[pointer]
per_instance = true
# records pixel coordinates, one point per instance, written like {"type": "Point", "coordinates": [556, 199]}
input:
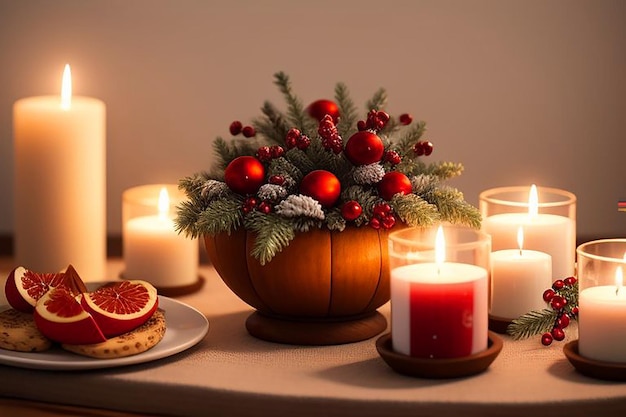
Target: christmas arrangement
{"type": "Point", "coordinates": [318, 166]}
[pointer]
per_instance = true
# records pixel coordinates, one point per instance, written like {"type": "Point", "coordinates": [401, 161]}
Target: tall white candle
{"type": "Point", "coordinates": [602, 321]}
{"type": "Point", "coordinates": [60, 183]}
{"type": "Point", "coordinates": [549, 233]}
{"type": "Point", "coordinates": [155, 252]}
{"type": "Point", "coordinates": [518, 279]}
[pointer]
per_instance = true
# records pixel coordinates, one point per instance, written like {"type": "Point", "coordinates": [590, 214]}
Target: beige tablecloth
{"type": "Point", "coordinates": [231, 373]}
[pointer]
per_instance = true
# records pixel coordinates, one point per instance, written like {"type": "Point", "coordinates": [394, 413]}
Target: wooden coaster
{"type": "Point", "coordinates": [439, 368]}
{"type": "Point", "coordinates": [612, 371]}
{"type": "Point", "coordinates": [315, 332]}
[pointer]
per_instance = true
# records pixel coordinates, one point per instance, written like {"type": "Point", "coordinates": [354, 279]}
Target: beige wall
{"type": "Point", "coordinates": [519, 91]}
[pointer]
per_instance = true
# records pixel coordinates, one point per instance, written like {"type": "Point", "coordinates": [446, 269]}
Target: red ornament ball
{"type": "Point", "coordinates": [244, 175]}
{"type": "Point", "coordinates": [394, 182]}
{"type": "Point", "coordinates": [320, 108]}
{"type": "Point", "coordinates": [351, 210]}
{"type": "Point", "coordinates": [321, 185]}
{"type": "Point", "coordinates": [364, 148]}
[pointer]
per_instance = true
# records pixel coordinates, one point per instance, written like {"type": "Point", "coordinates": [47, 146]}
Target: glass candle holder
{"type": "Point", "coordinates": [439, 291]}
{"type": "Point", "coordinates": [601, 265]}
{"type": "Point", "coordinates": [153, 250]}
{"type": "Point", "coordinates": [547, 216]}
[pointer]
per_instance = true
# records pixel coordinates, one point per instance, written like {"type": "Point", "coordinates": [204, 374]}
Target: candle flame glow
{"type": "Point", "coordinates": [164, 203]}
{"type": "Point", "coordinates": [66, 88]}
{"type": "Point", "coordinates": [440, 247]}
{"type": "Point", "coordinates": [520, 239]}
{"type": "Point", "coordinates": [533, 201]}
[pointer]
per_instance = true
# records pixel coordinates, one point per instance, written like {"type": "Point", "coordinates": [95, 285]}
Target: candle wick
{"type": "Point", "coordinates": [520, 251]}
{"type": "Point", "coordinates": [617, 290]}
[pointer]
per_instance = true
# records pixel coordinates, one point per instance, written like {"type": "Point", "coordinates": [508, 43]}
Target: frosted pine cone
{"type": "Point", "coordinates": [297, 205]}
{"type": "Point", "coordinates": [213, 189]}
{"type": "Point", "coordinates": [272, 192]}
{"type": "Point", "coordinates": [368, 174]}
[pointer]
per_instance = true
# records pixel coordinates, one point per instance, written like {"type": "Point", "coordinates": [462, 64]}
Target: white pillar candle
{"type": "Point", "coordinates": [602, 321]}
{"type": "Point", "coordinates": [60, 183]}
{"type": "Point", "coordinates": [439, 310]}
{"type": "Point", "coordinates": [549, 233]}
{"type": "Point", "coordinates": [155, 252]}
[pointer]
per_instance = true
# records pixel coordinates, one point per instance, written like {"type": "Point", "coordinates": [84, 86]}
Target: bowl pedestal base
{"type": "Point", "coordinates": [315, 332]}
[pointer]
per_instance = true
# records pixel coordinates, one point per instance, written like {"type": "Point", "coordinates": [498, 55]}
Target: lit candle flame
{"type": "Point", "coordinates": [66, 88]}
{"type": "Point", "coordinates": [440, 248]}
{"type": "Point", "coordinates": [164, 203]}
{"type": "Point", "coordinates": [520, 239]}
{"type": "Point", "coordinates": [619, 279]}
{"type": "Point", "coordinates": [533, 202]}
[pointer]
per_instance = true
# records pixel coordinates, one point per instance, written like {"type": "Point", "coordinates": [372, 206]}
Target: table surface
{"type": "Point", "coordinates": [232, 373]}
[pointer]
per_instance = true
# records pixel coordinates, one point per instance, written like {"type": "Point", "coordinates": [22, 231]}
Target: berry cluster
{"type": "Point", "coordinates": [376, 121]}
{"type": "Point", "coordinates": [253, 203]}
{"type": "Point", "coordinates": [423, 148]}
{"type": "Point", "coordinates": [267, 153]}
{"type": "Point", "coordinates": [392, 157]}
{"type": "Point", "coordinates": [295, 139]}
{"type": "Point", "coordinates": [382, 216]}
{"type": "Point", "coordinates": [329, 135]}
{"type": "Point", "coordinates": [237, 127]}
{"type": "Point", "coordinates": [557, 297]}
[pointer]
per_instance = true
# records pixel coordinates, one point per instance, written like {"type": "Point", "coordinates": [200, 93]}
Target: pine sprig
{"type": "Point", "coordinates": [273, 233]}
{"type": "Point", "coordinates": [227, 151]}
{"type": "Point", "coordinates": [415, 211]}
{"type": "Point", "coordinates": [223, 215]}
{"type": "Point", "coordinates": [378, 100]}
{"type": "Point", "coordinates": [453, 208]}
{"type": "Point", "coordinates": [347, 109]}
{"type": "Point", "coordinates": [405, 144]}
{"type": "Point", "coordinates": [532, 323]}
{"type": "Point", "coordinates": [295, 109]}
{"type": "Point", "coordinates": [273, 125]}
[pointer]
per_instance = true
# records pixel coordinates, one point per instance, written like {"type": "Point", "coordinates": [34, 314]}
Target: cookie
{"type": "Point", "coordinates": [18, 332]}
{"type": "Point", "coordinates": [134, 342]}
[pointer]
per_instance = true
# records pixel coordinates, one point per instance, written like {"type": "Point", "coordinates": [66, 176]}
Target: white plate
{"type": "Point", "coordinates": [185, 327]}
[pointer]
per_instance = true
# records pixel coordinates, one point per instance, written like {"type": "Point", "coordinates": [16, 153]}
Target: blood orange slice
{"type": "Point", "coordinates": [119, 307]}
{"type": "Point", "coordinates": [24, 287]}
{"type": "Point", "coordinates": [60, 317]}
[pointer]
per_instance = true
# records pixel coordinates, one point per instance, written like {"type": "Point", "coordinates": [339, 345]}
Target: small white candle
{"type": "Point", "coordinates": [60, 183]}
{"type": "Point", "coordinates": [549, 233]}
{"type": "Point", "coordinates": [518, 279]}
{"type": "Point", "coordinates": [155, 252]}
{"type": "Point", "coordinates": [439, 310]}
{"type": "Point", "coordinates": [602, 321]}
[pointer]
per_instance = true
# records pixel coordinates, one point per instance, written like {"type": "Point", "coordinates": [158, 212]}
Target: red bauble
{"type": "Point", "coordinates": [364, 148]}
{"type": "Point", "coordinates": [351, 210]}
{"type": "Point", "coordinates": [320, 108]}
{"type": "Point", "coordinates": [244, 175]}
{"type": "Point", "coordinates": [394, 182]}
{"type": "Point", "coordinates": [321, 185]}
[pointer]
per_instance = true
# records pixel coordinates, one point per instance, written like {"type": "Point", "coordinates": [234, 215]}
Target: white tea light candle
{"type": "Point", "coordinates": [153, 250]}
{"type": "Point", "coordinates": [60, 183]}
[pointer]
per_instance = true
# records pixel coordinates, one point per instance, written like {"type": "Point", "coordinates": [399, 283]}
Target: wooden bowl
{"type": "Point", "coordinates": [324, 288]}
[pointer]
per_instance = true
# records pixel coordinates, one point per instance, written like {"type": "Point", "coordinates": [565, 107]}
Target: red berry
{"type": "Point", "coordinates": [264, 153]}
{"type": "Point", "coordinates": [248, 131]}
{"type": "Point", "coordinates": [277, 180]}
{"type": "Point", "coordinates": [265, 207]}
{"type": "Point", "coordinates": [361, 126]}
{"type": "Point", "coordinates": [418, 148]}
{"type": "Point", "coordinates": [558, 302]}
{"type": "Point", "coordinates": [303, 142]}
{"type": "Point", "coordinates": [276, 151]}
{"type": "Point", "coordinates": [381, 210]}
{"type": "Point", "coordinates": [428, 148]}
{"type": "Point", "coordinates": [563, 321]}
{"type": "Point", "coordinates": [546, 339]}
{"type": "Point", "coordinates": [389, 221]}
{"type": "Point", "coordinates": [569, 281]}
{"type": "Point", "coordinates": [392, 157]}
{"type": "Point", "coordinates": [558, 284]}
{"type": "Point", "coordinates": [235, 128]}
{"type": "Point", "coordinates": [375, 223]}
{"type": "Point", "coordinates": [574, 311]}
{"type": "Point", "coordinates": [406, 119]}
{"type": "Point", "coordinates": [292, 138]}
{"type": "Point", "coordinates": [351, 210]}
{"type": "Point", "coordinates": [558, 334]}
{"type": "Point", "coordinates": [548, 295]}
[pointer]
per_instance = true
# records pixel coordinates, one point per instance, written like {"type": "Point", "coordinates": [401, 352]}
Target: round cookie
{"type": "Point", "coordinates": [132, 343]}
{"type": "Point", "coordinates": [18, 332]}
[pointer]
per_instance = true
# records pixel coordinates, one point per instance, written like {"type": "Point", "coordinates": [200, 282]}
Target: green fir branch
{"type": "Point", "coordinates": [347, 110]}
{"type": "Point", "coordinates": [532, 323]}
{"type": "Point", "coordinates": [453, 208]}
{"type": "Point", "coordinates": [296, 114]}
{"type": "Point", "coordinates": [414, 210]}
{"type": "Point", "coordinates": [378, 101]}
{"type": "Point", "coordinates": [223, 215]}
{"type": "Point", "coordinates": [273, 125]}
{"type": "Point", "coordinates": [273, 233]}
{"type": "Point", "coordinates": [444, 170]}
{"type": "Point", "coordinates": [406, 142]}
{"type": "Point", "coordinates": [227, 151]}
